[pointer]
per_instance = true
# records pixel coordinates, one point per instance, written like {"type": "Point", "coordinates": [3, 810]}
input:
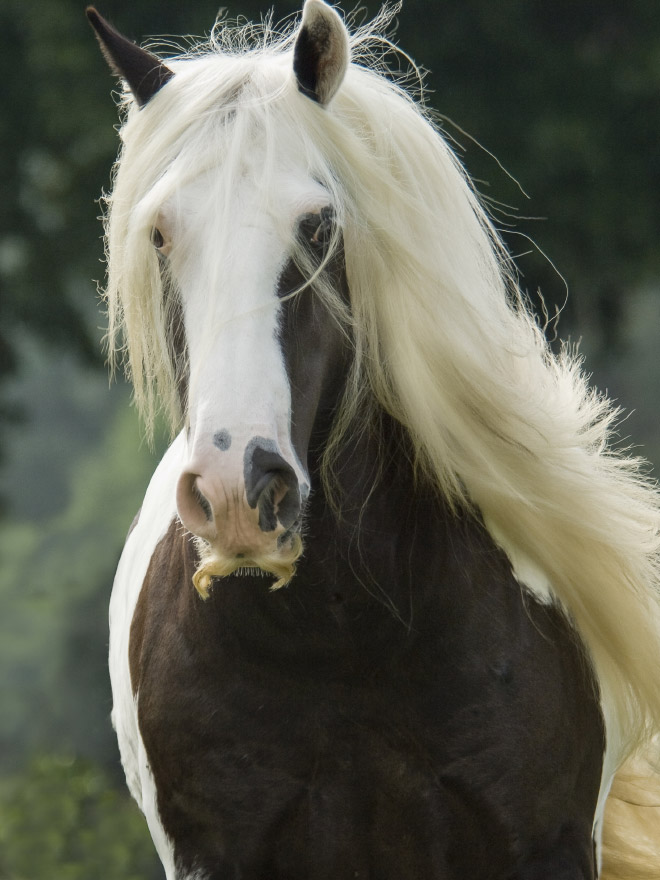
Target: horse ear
{"type": "Point", "coordinates": [321, 53]}
{"type": "Point", "coordinates": [144, 72]}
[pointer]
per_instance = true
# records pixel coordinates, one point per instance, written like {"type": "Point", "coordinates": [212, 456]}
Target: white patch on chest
{"type": "Point", "coordinates": [158, 511]}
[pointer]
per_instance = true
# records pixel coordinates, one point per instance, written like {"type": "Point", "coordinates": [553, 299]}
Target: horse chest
{"type": "Point", "coordinates": [318, 732]}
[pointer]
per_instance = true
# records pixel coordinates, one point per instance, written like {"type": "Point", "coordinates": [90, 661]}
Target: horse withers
{"type": "Point", "coordinates": [390, 607]}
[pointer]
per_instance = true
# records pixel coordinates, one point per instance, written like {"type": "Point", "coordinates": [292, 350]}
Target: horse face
{"type": "Point", "coordinates": [265, 357]}
{"type": "Point", "coordinates": [258, 365]}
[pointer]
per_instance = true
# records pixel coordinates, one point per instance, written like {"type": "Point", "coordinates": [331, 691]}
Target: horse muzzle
{"type": "Point", "coordinates": [246, 510]}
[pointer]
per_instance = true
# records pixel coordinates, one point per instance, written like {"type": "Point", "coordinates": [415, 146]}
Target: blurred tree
{"type": "Point", "coordinates": [55, 584]}
{"type": "Point", "coordinates": [567, 95]}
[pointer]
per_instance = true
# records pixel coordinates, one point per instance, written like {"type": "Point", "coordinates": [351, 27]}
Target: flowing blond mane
{"type": "Point", "coordinates": [443, 339]}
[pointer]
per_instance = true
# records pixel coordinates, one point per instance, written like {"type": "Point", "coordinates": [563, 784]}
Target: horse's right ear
{"type": "Point", "coordinates": [144, 72]}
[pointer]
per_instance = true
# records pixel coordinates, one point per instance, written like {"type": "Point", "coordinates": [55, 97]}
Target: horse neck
{"type": "Point", "coordinates": [364, 473]}
{"type": "Point", "coordinates": [371, 519]}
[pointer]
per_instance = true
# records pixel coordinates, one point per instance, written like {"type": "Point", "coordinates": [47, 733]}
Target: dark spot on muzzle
{"type": "Point", "coordinates": [271, 485]}
{"type": "Point", "coordinates": [222, 440]}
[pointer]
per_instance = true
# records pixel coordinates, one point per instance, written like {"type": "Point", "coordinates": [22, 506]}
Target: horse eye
{"type": "Point", "coordinates": [157, 239]}
{"type": "Point", "coordinates": [323, 232]}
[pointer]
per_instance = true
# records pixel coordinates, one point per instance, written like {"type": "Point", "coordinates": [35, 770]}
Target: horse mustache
{"type": "Point", "coordinates": [281, 564]}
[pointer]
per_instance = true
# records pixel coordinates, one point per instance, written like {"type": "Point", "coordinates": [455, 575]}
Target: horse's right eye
{"type": "Point", "coordinates": [157, 239]}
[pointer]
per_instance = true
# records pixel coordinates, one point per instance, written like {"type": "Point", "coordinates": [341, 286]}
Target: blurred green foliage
{"type": "Point", "coordinates": [54, 588]}
{"type": "Point", "coordinates": [66, 818]}
{"type": "Point", "coordinates": [61, 819]}
{"type": "Point", "coordinates": [564, 94]}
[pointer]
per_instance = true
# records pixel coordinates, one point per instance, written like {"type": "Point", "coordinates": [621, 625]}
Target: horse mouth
{"type": "Point", "coordinates": [280, 563]}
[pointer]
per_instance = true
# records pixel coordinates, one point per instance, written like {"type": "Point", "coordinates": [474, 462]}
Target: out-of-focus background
{"type": "Point", "coordinates": [566, 95]}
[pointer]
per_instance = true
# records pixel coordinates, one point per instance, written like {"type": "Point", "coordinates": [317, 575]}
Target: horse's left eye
{"type": "Point", "coordinates": [157, 239]}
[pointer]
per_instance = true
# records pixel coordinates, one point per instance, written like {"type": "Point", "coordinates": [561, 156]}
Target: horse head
{"type": "Point", "coordinates": [242, 254]}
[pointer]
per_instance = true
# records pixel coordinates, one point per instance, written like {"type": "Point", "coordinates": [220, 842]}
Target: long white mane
{"type": "Point", "coordinates": [443, 339]}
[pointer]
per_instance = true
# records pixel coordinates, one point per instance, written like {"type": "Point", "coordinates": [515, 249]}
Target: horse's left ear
{"type": "Point", "coordinates": [321, 53]}
{"type": "Point", "coordinates": [144, 72]}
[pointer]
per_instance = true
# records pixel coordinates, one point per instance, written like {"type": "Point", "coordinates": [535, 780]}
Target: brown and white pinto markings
{"type": "Point", "coordinates": [443, 682]}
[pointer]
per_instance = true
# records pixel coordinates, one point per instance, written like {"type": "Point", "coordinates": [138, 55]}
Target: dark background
{"type": "Point", "coordinates": [565, 95]}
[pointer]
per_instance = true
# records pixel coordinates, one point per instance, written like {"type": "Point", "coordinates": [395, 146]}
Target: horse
{"type": "Point", "coordinates": [390, 608]}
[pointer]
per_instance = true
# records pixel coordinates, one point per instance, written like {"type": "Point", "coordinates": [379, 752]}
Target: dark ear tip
{"type": "Point", "coordinates": [93, 16]}
{"type": "Point", "coordinates": [97, 21]}
{"type": "Point", "coordinates": [144, 72]}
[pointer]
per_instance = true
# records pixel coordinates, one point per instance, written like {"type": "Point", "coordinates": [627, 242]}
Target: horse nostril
{"type": "Point", "coordinates": [194, 509]}
{"type": "Point", "coordinates": [203, 503]}
{"type": "Point", "coordinates": [271, 485]}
